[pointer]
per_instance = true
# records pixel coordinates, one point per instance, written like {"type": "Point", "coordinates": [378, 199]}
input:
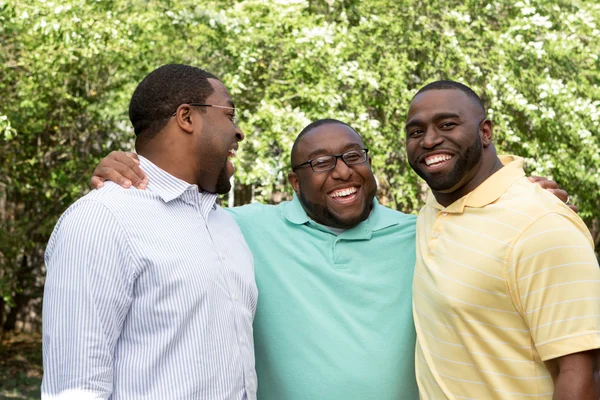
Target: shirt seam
{"type": "Point", "coordinates": [509, 254]}
{"type": "Point", "coordinates": [133, 271]}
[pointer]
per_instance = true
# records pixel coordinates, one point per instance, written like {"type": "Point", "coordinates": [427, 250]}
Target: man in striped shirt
{"type": "Point", "coordinates": [151, 294]}
{"type": "Point", "coordinates": [506, 293]}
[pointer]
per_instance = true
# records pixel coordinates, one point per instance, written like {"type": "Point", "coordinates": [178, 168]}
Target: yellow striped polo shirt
{"type": "Point", "coordinates": [506, 278]}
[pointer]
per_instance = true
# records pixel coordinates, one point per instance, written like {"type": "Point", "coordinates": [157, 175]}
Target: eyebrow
{"type": "Point", "coordinates": [436, 117]}
{"type": "Point", "coordinates": [347, 147]}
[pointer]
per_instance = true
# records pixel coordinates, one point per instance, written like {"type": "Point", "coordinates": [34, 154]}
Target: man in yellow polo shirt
{"type": "Point", "coordinates": [506, 293]}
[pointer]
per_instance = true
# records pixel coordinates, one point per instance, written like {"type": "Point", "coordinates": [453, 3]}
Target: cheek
{"type": "Point", "coordinates": [411, 146]}
{"type": "Point", "coordinates": [314, 187]}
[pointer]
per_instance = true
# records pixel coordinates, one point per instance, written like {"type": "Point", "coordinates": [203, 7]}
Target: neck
{"type": "Point", "coordinates": [170, 161]}
{"type": "Point", "coordinates": [488, 166]}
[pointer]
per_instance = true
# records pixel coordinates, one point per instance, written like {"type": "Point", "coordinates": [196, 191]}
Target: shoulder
{"type": "Point", "coordinates": [258, 218]}
{"type": "Point", "coordinates": [255, 210]}
{"type": "Point", "coordinates": [86, 220]}
{"type": "Point", "coordinates": [396, 215]}
{"type": "Point", "coordinates": [554, 229]}
{"type": "Point", "coordinates": [539, 209]}
{"type": "Point", "coordinates": [398, 221]}
{"type": "Point", "coordinates": [115, 197]}
{"type": "Point", "coordinates": [102, 208]}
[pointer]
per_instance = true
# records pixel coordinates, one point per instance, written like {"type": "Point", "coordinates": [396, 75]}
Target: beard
{"type": "Point", "coordinates": [463, 165]}
{"type": "Point", "coordinates": [223, 183]}
{"type": "Point", "coordinates": [321, 214]}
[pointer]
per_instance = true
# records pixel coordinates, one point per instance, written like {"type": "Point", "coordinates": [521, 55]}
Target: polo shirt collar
{"type": "Point", "coordinates": [489, 191]}
{"type": "Point", "coordinates": [294, 212]}
{"type": "Point", "coordinates": [169, 187]}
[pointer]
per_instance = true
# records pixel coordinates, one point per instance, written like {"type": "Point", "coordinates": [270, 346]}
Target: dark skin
{"type": "Point", "coordinates": [199, 143]}
{"type": "Point", "coordinates": [449, 144]}
{"type": "Point", "coordinates": [123, 168]}
{"type": "Point", "coordinates": [576, 376]}
{"type": "Point", "coordinates": [317, 190]}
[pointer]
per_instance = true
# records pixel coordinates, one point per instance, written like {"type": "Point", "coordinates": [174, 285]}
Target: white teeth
{"type": "Point", "coordinates": [343, 192]}
{"type": "Point", "coordinates": [437, 159]}
{"type": "Point", "coordinates": [233, 152]}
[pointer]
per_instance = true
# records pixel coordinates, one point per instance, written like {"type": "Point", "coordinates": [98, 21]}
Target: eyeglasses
{"type": "Point", "coordinates": [212, 105]}
{"type": "Point", "coordinates": [328, 162]}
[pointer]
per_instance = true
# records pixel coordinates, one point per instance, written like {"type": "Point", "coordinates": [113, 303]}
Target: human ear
{"type": "Point", "coordinates": [293, 179]}
{"type": "Point", "coordinates": [184, 119]}
{"type": "Point", "coordinates": [486, 132]}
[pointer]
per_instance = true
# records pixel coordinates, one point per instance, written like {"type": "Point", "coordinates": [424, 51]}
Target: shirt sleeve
{"type": "Point", "coordinates": [554, 281]}
{"type": "Point", "coordinates": [87, 296]}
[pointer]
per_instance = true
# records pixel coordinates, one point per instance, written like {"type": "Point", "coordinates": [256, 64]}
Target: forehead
{"type": "Point", "coordinates": [220, 95]}
{"type": "Point", "coordinates": [447, 101]}
{"type": "Point", "coordinates": [328, 139]}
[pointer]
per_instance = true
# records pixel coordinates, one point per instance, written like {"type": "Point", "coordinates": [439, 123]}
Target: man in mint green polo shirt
{"type": "Point", "coordinates": [334, 272]}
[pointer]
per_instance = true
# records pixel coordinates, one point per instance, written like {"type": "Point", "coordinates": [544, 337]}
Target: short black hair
{"type": "Point", "coordinates": [159, 94]}
{"type": "Point", "coordinates": [452, 85]}
{"type": "Point", "coordinates": [314, 125]}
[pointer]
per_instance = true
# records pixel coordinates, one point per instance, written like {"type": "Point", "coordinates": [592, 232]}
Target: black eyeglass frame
{"type": "Point", "coordinates": [337, 156]}
{"type": "Point", "coordinates": [209, 105]}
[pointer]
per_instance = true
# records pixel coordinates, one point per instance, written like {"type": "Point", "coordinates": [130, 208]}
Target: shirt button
{"type": "Point", "coordinates": [242, 341]}
{"type": "Point", "coordinates": [222, 257]}
{"type": "Point", "coordinates": [444, 213]}
{"type": "Point", "coordinates": [234, 297]}
{"type": "Point", "coordinates": [436, 234]}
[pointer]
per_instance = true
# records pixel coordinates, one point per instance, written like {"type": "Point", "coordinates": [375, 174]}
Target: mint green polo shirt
{"type": "Point", "coordinates": [334, 315]}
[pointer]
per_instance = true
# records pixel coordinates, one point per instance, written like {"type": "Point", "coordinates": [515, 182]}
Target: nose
{"type": "Point", "coordinates": [341, 170]}
{"type": "Point", "coordinates": [431, 138]}
{"type": "Point", "coordinates": [239, 134]}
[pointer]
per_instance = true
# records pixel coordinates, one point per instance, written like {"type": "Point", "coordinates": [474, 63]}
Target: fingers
{"type": "Point", "coordinates": [121, 168]}
{"type": "Point", "coordinates": [133, 156]}
{"type": "Point", "coordinates": [553, 188]}
{"type": "Point", "coordinates": [545, 183]}
{"type": "Point", "coordinates": [561, 194]}
{"type": "Point", "coordinates": [96, 182]}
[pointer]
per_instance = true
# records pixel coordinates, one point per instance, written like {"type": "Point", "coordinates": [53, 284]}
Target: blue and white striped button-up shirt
{"type": "Point", "coordinates": [149, 295]}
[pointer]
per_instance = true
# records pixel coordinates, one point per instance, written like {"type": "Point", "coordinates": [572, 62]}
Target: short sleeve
{"type": "Point", "coordinates": [554, 281]}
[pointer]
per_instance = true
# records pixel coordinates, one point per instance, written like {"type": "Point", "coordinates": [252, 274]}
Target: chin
{"type": "Point", "coordinates": [223, 187]}
{"type": "Point", "coordinates": [350, 221]}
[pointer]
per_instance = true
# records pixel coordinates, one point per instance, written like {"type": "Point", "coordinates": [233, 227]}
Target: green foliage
{"type": "Point", "coordinates": [67, 70]}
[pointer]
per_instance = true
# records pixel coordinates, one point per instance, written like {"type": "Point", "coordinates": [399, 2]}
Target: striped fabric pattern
{"type": "Point", "coordinates": [506, 278]}
{"type": "Point", "coordinates": [149, 295]}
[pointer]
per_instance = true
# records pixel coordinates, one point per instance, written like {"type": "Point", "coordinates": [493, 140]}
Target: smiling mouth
{"type": "Point", "coordinates": [437, 159]}
{"type": "Point", "coordinates": [232, 153]}
{"type": "Point", "coordinates": [345, 195]}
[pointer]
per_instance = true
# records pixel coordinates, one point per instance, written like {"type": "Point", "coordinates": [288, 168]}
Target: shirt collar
{"type": "Point", "coordinates": [489, 191]}
{"type": "Point", "coordinates": [169, 187]}
{"type": "Point", "coordinates": [294, 212]}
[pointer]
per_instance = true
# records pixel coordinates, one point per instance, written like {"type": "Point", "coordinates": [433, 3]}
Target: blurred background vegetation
{"type": "Point", "coordinates": [69, 67]}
